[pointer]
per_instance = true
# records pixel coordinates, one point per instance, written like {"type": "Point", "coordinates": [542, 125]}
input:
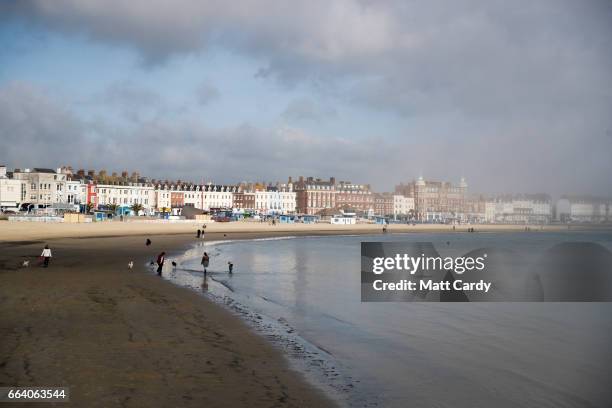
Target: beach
{"type": "Point", "coordinates": [23, 231]}
{"type": "Point", "coordinates": [121, 337]}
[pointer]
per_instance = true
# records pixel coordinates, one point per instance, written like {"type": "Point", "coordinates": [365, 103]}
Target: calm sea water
{"type": "Point", "coordinates": [304, 294]}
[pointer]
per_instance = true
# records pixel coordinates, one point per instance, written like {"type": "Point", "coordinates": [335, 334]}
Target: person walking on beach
{"type": "Point", "coordinates": [199, 233]}
{"type": "Point", "coordinates": [160, 262]}
{"type": "Point", "coordinates": [230, 267]}
{"type": "Point", "coordinates": [46, 255]}
{"type": "Point", "coordinates": [205, 262]}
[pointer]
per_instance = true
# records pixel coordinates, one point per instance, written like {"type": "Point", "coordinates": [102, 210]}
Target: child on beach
{"type": "Point", "coordinates": [46, 255]}
{"type": "Point", "coordinates": [160, 262]}
{"type": "Point", "coordinates": [230, 267]}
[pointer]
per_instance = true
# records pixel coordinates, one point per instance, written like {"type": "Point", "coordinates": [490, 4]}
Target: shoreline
{"type": "Point", "coordinates": [30, 231]}
{"type": "Point", "coordinates": [53, 316]}
{"type": "Point", "coordinates": [125, 337]}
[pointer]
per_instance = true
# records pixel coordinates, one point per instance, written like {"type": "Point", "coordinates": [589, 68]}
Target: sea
{"type": "Point", "coordinates": [303, 294]}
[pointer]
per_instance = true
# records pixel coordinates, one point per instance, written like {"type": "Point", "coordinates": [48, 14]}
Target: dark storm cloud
{"type": "Point", "coordinates": [522, 88]}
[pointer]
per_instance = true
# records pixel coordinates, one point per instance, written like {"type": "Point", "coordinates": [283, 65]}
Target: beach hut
{"type": "Point", "coordinates": [381, 220]}
{"type": "Point", "coordinates": [309, 219]}
{"type": "Point", "coordinates": [102, 215]}
{"type": "Point", "coordinates": [343, 220]}
{"type": "Point", "coordinates": [286, 219]}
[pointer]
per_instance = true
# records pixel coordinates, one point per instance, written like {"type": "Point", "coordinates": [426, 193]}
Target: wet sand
{"type": "Point", "coordinates": [120, 337]}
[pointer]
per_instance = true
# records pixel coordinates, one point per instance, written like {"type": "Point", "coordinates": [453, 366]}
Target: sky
{"type": "Point", "coordinates": [515, 96]}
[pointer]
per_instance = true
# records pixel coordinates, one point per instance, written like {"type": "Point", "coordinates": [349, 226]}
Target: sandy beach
{"type": "Point", "coordinates": [25, 231]}
{"type": "Point", "coordinates": [120, 337]}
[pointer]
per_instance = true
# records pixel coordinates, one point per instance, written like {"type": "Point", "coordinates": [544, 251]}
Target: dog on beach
{"type": "Point", "coordinates": [130, 264]}
{"type": "Point", "coordinates": [174, 264]}
{"type": "Point", "coordinates": [25, 264]}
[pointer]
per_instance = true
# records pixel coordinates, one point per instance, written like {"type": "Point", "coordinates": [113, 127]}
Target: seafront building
{"type": "Point", "coordinates": [436, 201]}
{"type": "Point", "coordinates": [354, 197]}
{"type": "Point", "coordinates": [42, 187]}
{"type": "Point", "coordinates": [75, 193]}
{"type": "Point", "coordinates": [403, 207]}
{"type": "Point", "coordinates": [126, 196]}
{"type": "Point", "coordinates": [12, 192]}
{"type": "Point", "coordinates": [519, 209]}
{"type": "Point", "coordinates": [48, 190]}
{"type": "Point", "coordinates": [313, 196]}
{"type": "Point", "coordinates": [218, 196]}
{"type": "Point", "coordinates": [243, 201]}
{"type": "Point", "coordinates": [277, 199]}
{"type": "Point", "coordinates": [577, 208]}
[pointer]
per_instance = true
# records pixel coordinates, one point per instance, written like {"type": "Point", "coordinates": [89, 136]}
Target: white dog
{"type": "Point", "coordinates": [25, 264]}
{"type": "Point", "coordinates": [130, 264]}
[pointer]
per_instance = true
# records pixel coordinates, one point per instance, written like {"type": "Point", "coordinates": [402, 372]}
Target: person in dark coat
{"type": "Point", "coordinates": [199, 233]}
{"type": "Point", "coordinates": [205, 262]}
{"type": "Point", "coordinates": [160, 262]}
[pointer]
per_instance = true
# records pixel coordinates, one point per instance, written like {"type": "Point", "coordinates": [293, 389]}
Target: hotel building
{"type": "Point", "coordinates": [436, 201]}
{"type": "Point", "coordinates": [519, 209]}
{"type": "Point", "coordinates": [126, 195]}
{"type": "Point", "coordinates": [314, 195]}
{"type": "Point", "coordinates": [356, 197]}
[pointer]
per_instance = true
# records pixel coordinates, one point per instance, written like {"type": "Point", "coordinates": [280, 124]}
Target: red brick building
{"type": "Point", "coordinates": [314, 195]}
{"type": "Point", "coordinates": [244, 200]}
{"type": "Point", "coordinates": [383, 204]}
{"type": "Point", "coordinates": [356, 197]}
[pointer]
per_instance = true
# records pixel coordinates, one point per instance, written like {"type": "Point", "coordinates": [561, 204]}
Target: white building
{"type": "Point", "coordinates": [126, 195]}
{"type": "Point", "coordinates": [519, 209]}
{"type": "Point", "coordinates": [584, 209]}
{"type": "Point", "coordinates": [217, 196]}
{"type": "Point", "coordinates": [402, 206]}
{"type": "Point", "coordinates": [43, 187]}
{"type": "Point", "coordinates": [343, 219]}
{"type": "Point", "coordinates": [12, 192]}
{"type": "Point", "coordinates": [273, 200]}
{"type": "Point", "coordinates": [75, 192]}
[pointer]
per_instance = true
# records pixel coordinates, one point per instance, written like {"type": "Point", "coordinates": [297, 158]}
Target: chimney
{"type": "Point", "coordinates": [290, 180]}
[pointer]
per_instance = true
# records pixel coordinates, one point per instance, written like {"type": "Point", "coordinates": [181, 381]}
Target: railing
{"type": "Point", "coordinates": [35, 218]}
